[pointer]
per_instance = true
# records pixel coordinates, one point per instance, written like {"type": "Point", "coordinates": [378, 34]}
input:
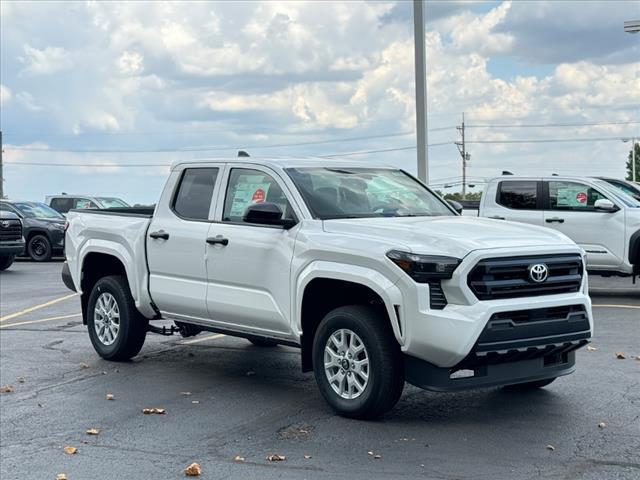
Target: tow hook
{"type": "Point", "coordinates": [164, 330]}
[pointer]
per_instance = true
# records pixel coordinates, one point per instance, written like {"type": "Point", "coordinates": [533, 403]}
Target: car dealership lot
{"type": "Point", "coordinates": [252, 402]}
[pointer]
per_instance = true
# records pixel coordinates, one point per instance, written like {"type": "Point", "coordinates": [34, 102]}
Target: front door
{"type": "Point", "coordinates": [176, 243]}
{"type": "Point", "coordinates": [249, 271]}
{"type": "Point", "coordinates": [569, 208]}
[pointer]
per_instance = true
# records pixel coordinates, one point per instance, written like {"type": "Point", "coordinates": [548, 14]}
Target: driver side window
{"type": "Point", "coordinates": [247, 187]}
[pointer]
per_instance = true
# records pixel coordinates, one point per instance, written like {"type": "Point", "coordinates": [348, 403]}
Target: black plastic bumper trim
{"type": "Point", "coordinates": [66, 277]}
{"type": "Point", "coordinates": [425, 375]}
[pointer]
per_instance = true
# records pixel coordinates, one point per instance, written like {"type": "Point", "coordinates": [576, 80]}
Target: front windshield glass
{"type": "Point", "coordinates": [618, 194]}
{"type": "Point", "coordinates": [111, 202]}
{"type": "Point", "coordinates": [364, 192]}
{"type": "Point", "coordinates": [36, 210]}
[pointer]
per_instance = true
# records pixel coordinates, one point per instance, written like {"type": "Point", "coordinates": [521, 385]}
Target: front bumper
{"type": "Point", "coordinates": [446, 337]}
{"type": "Point", "coordinates": [11, 248]}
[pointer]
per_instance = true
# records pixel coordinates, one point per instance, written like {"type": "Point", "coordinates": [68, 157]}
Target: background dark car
{"type": "Point", "coordinates": [11, 239]}
{"type": "Point", "coordinates": [43, 228]}
{"type": "Point", "coordinates": [630, 188]}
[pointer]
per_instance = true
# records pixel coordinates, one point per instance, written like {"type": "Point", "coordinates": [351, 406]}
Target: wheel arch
{"type": "Point", "coordinates": [634, 249]}
{"type": "Point", "coordinates": [325, 286]}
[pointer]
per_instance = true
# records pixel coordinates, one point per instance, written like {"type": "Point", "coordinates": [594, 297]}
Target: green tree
{"type": "Point", "coordinates": [629, 159]}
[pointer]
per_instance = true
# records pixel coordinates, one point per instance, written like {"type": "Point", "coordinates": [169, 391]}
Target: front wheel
{"type": "Point", "coordinates": [521, 387]}
{"type": "Point", "coordinates": [39, 248]}
{"type": "Point", "coordinates": [357, 362]}
{"type": "Point", "coordinates": [116, 329]}
{"type": "Point", "coordinates": [5, 262]}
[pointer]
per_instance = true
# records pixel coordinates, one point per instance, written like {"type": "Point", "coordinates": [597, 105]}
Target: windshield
{"type": "Point", "coordinates": [618, 194]}
{"type": "Point", "coordinates": [36, 210]}
{"type": "Point", "coordinates": [111, 202]}
{"type": "Point", "coordinates": [364, 192]}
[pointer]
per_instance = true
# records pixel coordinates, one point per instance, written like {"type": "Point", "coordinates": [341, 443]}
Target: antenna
{"type": "Point", "coordinates": [242, 153]}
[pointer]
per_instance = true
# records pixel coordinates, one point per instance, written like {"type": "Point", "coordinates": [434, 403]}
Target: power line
{"type": "Point", "coordinates": [545, 125]}
{"type": "Point", "coordinates": [549, 140]}
{"type": "Point", "coordinates": [363, 152]}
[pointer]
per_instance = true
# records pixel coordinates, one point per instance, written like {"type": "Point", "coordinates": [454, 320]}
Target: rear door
{"type": "Point", "coordinates": [176, 242]}
{"type": "Point", "coordinates": [249, 276]}
{"type": "Point", "coordinates": [62, 204]}
{"type": "Point", "coordinates": [515, 200]}
{"type": "Point", "coordinates": [569, 208]}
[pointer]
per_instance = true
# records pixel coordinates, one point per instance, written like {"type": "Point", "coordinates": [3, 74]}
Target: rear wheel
{"type": "Point", "coordinates": [521, 387]}
{"type": "Point", "coordinates": [5, 262]}
{"type": "Point", "coordinates": [39, 248]}
{"type": "Point", "coordinates": [116, 328]}
{"type": "Point", "coordinates": [357, 362]}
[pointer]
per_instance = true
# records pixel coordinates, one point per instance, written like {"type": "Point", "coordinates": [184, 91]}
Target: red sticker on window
{"type": "Point", "coordinates": [258, 196]}
{"type": "Point", "coordinates": [581, 197]}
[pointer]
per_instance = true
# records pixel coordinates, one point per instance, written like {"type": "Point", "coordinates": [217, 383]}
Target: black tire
{"type": "Point", "coordinates": [39, 248]}
{"type": "Point", "coordinates": [386, 369]}
{"type": "Point", "coordinates": [5, 262]}
{"type": "Point", "coordinates": [262, 342]}
{"type": "Point", "coordinates": [523, 387]}
{"type": "Point", "coordinates": [132, 325]}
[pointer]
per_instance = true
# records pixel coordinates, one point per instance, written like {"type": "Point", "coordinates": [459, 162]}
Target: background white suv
{"type": "Point", "coordinates": [603, 220]}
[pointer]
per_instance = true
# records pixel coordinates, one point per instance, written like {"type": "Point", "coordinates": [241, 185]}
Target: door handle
{"type": "Point", "coordinates": [218, 240]}
{"type": "Point", "coordinates": [160, 234]}
{"type": "Point", "coordinates": [495, 217]}
{"type": "Point", "coordinates": [554, 219]}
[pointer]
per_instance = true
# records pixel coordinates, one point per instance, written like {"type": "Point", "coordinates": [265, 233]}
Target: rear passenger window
{"type": "Point", "coordinates": [518, 195]}
{"type": "Point", "coordinates": [193, 198]}
{"type": "Point", "coordinates": [62, 205]}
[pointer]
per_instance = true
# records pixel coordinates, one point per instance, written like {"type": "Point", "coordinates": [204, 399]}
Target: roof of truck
{"type": "Point", "coordinates": [286, 162]}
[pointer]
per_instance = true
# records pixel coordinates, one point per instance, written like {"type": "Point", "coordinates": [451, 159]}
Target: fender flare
{"type": "Point", "coordinates": [634, 249]}
{"type": "Point", "coordinates": [384, 287]}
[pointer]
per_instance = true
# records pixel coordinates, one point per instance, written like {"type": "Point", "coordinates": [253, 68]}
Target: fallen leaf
{"type": "Point", "coordinates": [104, 372]}
{"type": "Point", "coordinates": [377, 457]}
{"type": "Point", "coordinates": [591, 349]}
{"type": "Point", "coordinates": [110, 396]}
{"type": "Point", "coordinates": [21, 380]}
{"type": "Point", "coordinates": [370, 453]}
{"type": "Point", "coordinates": [550, 447]}
{"type": "Point", "coordinates": [620, 356]}
{"type": "Point", "coordinates": [250, 373]}
{"type": "Point", "coordinates": [7, 389]}
{"type": "Point", "coordinates": [93, 431]}
{"type": "Point", "coordinates": [195, 402]}
{"type": "Point", "coordinates": [151, 411]}
{"type": "Point", "coordinates": [276, 458]}
{"type": "Point", "coordinates": [602, 425]}
{"type": "Point", "coordinates": [83, 365]}
{"type": "Point", "coordinates": [193, 470]}
{"type": "Point", "coordinates": [637, 357]}
{"type": "Point", "coordinates": [61, 476]}
{"type": "Point", "coordinates": [307, 457]}
{"type": "Point", "coordinates": [186, 394]}
{"type": "Point", "coordinates": [238, 458]}
{"type": "Point", "coordinates": [70, 450]}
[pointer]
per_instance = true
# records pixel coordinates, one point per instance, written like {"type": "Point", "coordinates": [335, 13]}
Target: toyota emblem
{"type": "Point", "coordinates": [4, 224]}
{"type": "Point", "coordinates": [538, 272]}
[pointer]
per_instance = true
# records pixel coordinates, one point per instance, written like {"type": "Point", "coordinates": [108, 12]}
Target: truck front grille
{"type": "Point", "coordinates": [508, 277]}
{"type": "Point", "coordinates": [10, 230]}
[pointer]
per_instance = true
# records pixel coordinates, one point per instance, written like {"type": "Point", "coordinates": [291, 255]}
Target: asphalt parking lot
{"type": "Point", "coordinates": [226, 398]}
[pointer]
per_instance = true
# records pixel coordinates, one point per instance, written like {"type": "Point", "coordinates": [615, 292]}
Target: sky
{"type": "Point", "coordinates": [101, 97]}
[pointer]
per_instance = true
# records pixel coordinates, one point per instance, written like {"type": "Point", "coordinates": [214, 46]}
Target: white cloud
{"type": "Point", "coordinates": [130, 63]}
{"type": "Point", "coordinates": [27, 100]}
{"type": "Point", "coordinates": [46, 61]}
{"type": "Point", "coordinates": [5, 94]}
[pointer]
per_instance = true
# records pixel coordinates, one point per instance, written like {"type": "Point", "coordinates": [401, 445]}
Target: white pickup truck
{"type": "Point", "coordinates": [374, 277]}
{"type": "Point", "coordinates": [598, 216]}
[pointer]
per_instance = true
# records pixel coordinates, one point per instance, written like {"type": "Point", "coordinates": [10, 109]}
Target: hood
{"type": "Point", "coordinates": [453, 236]}
{"type": "Point", "coordinates": [45, 221]}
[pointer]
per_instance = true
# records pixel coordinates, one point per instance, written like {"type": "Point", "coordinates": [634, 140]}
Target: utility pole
{"type": "Point", "coordinates": [421, 90]}
{"type": "Point", "coordinates": [1, 175]}
{"type": "Point", "coordinates": [462, 148]}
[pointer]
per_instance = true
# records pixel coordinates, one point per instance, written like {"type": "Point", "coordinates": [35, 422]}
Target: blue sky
{"type": "Point", "coordinates": [104, 86]}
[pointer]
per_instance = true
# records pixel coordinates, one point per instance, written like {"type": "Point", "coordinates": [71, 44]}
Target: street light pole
{"type": "Point", "coordinates": [421, 90]}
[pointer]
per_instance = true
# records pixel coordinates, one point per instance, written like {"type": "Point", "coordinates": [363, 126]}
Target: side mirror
{"type": "Point", "coordinates": [266, 213]}
{"type": "Point", "coordinates": [605, 205]}
{"type": "Point", "coordinates": [456, 206]}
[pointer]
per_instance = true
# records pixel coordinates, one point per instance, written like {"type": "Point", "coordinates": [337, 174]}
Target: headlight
{"type": "Point", "coordinates": [424, 268]}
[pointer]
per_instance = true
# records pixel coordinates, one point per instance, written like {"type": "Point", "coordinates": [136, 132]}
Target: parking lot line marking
{"type": "Point", "coordinates": [50, 319]}
{"type": "Point", "coordinates": [203, 339]}
{"type": "Point", "coordinates": [37, 307]}
{"type": "Point", "coordinates": [604, 305]}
